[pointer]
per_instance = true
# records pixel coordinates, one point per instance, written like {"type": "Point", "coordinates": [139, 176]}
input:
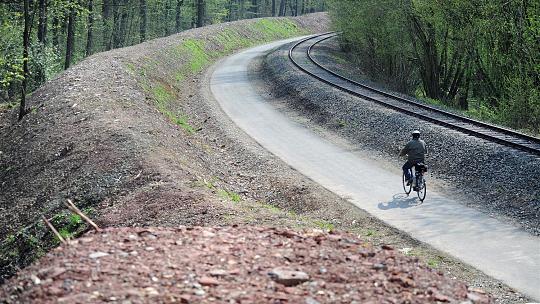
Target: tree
{"type": "Point", "coordinates": [143, 20]}
{"type": "Point", "coordinates": [42, 25]}
{"type": "Point", "coordinates": [70, 40]}
{"type": "Point", "coordinates": [107, 24]}
{"type": "Point", "coordinates": [90, 34]}
{"type": "Point", "coordinates": [26, 43]}
{"type": "Point", "coordinates": [178, 18]}
{"type": "Point", "coordinates": [200, 13]}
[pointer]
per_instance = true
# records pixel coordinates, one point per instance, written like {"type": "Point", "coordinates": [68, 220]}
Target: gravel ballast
{"type": "Point", "coordinates": [231, 265]}
{"type": "Point", "coordinates": [497, 180]}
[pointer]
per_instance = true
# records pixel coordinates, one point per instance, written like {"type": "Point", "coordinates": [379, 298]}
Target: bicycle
{"type": "Point", "coordinates": [419, 182]}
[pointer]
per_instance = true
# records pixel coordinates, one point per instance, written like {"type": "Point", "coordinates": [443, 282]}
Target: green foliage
{"type": "Point", "coordinates": [120, 27]}
{"type": "Point", "coordinates": [454, 51]}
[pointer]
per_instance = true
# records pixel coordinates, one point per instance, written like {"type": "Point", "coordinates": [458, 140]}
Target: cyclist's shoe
{"type": "Point", "coordinates": [409, 182]}
{"type": "Point", "coordinates": [416, 188]}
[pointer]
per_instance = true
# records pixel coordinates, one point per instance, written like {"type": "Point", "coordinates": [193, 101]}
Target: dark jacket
{"type": "Point", "coordinates": [415, 150]}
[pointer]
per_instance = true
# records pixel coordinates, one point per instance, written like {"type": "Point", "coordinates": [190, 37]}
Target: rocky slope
{"type": "Point", "coordinates": [231, 265]}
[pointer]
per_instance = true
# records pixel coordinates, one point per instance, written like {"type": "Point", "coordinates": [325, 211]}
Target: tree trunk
{"type": "Point", "coordinates": [116, 24]}
{"type": "Point", "coordinates": [241, 10]}
{"type": "Point", "coordinates": [41, 34]}
{"type": "Point", "coordinates": [55, 38]}
{"type": "Point", "coordinates": [122, 32]}
{"type": "Point", "coordinates": [282, 6]}
{"type": "Point", "coordinates": [254, 9]}
{"type": "Point", "coordinates": [26, 42]}
{"type": "Point", "coordinates": [200, 13]}
{"type": "Point", "coordinates": [273, 8]}
{"type": "Point", "coordinates": [229, 11]}
{"type": "Point", "coordinates": [143, 20]}
{"type": "Point", "coordinates": [70, 41]}
{"type": "Point", "coordinates": [178, 22]}
{"type": "Point", "coordinates": [106, 13]}
{"type": "Point", "coordinates": [90, 36]}
{"type": "Point", "coordinates": [42, 23]}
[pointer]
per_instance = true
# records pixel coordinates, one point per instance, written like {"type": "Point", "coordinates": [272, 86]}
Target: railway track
{"type": "Point", "coordinates": [300, 56]}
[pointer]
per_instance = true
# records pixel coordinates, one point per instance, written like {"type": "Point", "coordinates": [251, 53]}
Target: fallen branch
{"type": "Point", "coordinates": [69, 204]}
{"type": "Point", "coordinates": [54, 230]}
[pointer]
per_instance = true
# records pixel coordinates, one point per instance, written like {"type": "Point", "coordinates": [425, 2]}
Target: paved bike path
{"type": "Point", "coordinates": [498, 249]}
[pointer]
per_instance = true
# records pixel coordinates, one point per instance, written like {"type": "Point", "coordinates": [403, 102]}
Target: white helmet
{"type": "Point", "coordinates": [416, 134]}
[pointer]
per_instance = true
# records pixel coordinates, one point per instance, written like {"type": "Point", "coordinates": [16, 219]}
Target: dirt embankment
{"type": "Point", "coordinates": [116, 134]}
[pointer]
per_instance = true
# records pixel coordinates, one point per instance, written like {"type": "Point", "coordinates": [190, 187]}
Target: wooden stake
{"type": "Point", "coordinates": [54, 230]}
{"type": "Point", "coordinates": [69, 204]}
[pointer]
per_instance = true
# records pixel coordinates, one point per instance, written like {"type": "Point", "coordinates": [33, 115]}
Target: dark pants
{"type": "Point", "coordinates": [407, 168]}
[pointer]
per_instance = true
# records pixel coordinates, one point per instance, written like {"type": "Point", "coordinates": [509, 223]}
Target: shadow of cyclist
{"type": "Point", "coordinates": [401, 201]}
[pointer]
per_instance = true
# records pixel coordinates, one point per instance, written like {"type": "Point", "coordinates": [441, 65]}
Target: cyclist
{"type": "Point", "coordinates": [415, 151]}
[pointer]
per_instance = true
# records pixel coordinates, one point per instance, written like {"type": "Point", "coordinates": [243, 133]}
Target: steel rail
{"type": "Point", "coordinates": [486, 126]}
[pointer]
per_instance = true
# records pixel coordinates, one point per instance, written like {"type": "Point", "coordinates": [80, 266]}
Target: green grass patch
{"type": "Point", "coordinates": [433, 263]}
{"type": "Point", "coordinates": [371, 232]}
{"type": "Point", "coordinates": [270, 207]}
{"type": "Point", "coordinates": [324, 225]}
{"type": "Point", "coordinates": [229, 195]}
{"type": "Point", "coordinates": [275, 29]}
{"type": "Point", "coordinates": [163, 97]}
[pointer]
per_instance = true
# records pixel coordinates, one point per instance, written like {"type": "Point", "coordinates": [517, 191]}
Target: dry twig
{"type": "Point", "coordinates": [54, 230]}
{"type": "Point", "coordinates": [69, 204]}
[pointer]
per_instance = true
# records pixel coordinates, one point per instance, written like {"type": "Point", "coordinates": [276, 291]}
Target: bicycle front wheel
{"type": "Point", "coordinates": [406, 188]}
{"type": "Point", "coordinates": [422, 190]}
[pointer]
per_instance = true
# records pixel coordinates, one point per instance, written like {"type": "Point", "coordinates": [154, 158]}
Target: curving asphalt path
{"type": "Point", "coordinates": [498, 249]}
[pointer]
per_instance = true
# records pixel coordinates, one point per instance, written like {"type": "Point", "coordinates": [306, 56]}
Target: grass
{"type": "Point", "coordinates": [270, 207]}
{"type": "Point", "coordinates": [163, 97]}
{"type": "Point", "coordinates": [371, 232]}
{"type": "Point", "coordinates": [198, 54]}
{"type": "Point", "coordinates": [229, 195]}
{"type": "Point", "coordinates": [324, 225]}
{"type": "Point", "coordinates": [433, 263]}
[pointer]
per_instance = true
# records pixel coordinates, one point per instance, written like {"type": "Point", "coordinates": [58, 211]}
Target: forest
{"type": "Point", "coordinates": [40, 38]}
{"type": "Point", "coordinates": [479, 57]}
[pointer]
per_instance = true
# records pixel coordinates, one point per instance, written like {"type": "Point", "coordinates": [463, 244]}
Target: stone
{"type": "Point", "coordinates": [35, 279]}
{"type": "Point", "coordinates": [151, 291]}
{"type": "Point", "coordinates": [208, 281]}
{"type": "Point", "coordinates": [218, 272]}
{"type": "Point", "coordinates": [310, 300]}
{"type": "Point", "coordinates": [288, 277]}
{"type": "Point", "coordinates": [97, 255]}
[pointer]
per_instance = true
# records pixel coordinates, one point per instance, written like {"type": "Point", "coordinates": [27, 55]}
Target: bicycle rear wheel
{"type": "Point", "coordinates": [406, 188]}
{"type": "Point", "coordinates": [422, 190]}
